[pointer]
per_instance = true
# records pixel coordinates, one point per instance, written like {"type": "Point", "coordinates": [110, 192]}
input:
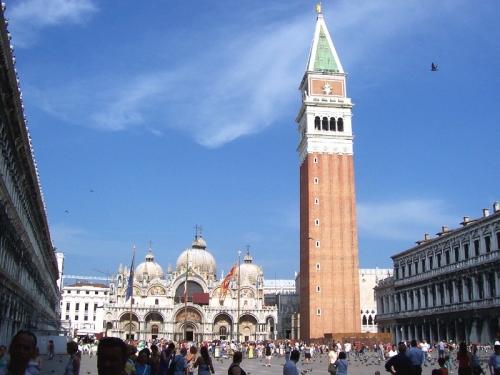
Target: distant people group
{"type": "Point", "coordinates": [116, 357]}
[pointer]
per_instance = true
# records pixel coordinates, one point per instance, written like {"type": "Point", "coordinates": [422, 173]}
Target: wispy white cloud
{"type": "Point", "coordinates": [52, 12]}
{"type": "Point", "coordinates": [239, 87]}
{"type": "Point", "coordinates": [403, 220]}
{"type": "Point", "coordinates": [32, 15]}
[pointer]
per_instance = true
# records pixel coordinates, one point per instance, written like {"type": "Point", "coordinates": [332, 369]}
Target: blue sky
{"type": "Point", "coordinates": [176, 113]}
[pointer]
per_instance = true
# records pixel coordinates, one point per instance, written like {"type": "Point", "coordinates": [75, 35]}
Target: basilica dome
{"type": "Point", "coordinates": [249, 271]}
{"type": "Point", "coordinates": [199, 259]}
{"type": "Point", "coordinates": [149, 269]}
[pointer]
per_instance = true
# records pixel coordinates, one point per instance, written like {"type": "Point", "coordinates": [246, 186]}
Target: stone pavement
{"type": "Point", "coordinates": [366, 366]}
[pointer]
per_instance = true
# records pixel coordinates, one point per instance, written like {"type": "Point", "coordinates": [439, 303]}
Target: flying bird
{"type": "Point", "coordinates": [91, 191]}
{"type": "Point", "coordinates": [66, 211]}
{"type": "Point", "coordinates": [434, 67]}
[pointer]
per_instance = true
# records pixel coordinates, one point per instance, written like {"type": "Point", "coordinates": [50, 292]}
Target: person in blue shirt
{"type": "Point", "coordinates": [416, 357]}
{"type": "Point", "coordinates": [290, 367]}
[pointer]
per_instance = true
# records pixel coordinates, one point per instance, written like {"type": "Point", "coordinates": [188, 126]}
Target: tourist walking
{"type": "Point", "coordinates": [464, 360]}
{"type": "Point", "coordinates": [341, 364]}
{"type": "Point", "coordinates": [333, 355]}
{"type": "Point", "coordinates": [50, 349]}
{"type": "Point", "coordinates": [73, 366]}
{"type": "Point", "coordinates": [204, 362]}
{"type": "Point", "coordinates": [416, 357]}
{"type": "Point", "coordinates": [425, 352]}
{"type": "Point", "coordinates": [179, 363]}
{"type": "Point", "coordinates": [290, 367]}
{"type": "Point", "coordinates": [35, 363]}
{"type": "Point", "coordinates": [234, 368]}
{"type": "Point", "coordinates": [190, 358]}
{"type": "Point", "coordinates": [269, 355]}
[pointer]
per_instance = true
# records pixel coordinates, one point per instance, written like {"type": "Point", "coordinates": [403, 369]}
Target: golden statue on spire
{"type": "Point", "coordinates": [318, 8]}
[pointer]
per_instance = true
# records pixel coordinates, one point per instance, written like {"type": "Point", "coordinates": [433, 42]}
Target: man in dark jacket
{"type": "Point", "coordinates": [400, 363]}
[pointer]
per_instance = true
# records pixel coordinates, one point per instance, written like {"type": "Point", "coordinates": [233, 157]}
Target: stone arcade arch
{"type": "Point", "coordinates": [222, 327]}
{"type": "Point", "coordinates": [153, 325]}
{"type": "Point", "coordinates": [192, 321]}
{"type": "Point", "coordinates": [130, 328]}
{"type": "Point", "coordinates": [248, 328]}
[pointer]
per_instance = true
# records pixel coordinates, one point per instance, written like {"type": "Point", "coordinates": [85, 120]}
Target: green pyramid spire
{"type": "Point", "coordinates": [324, 59]}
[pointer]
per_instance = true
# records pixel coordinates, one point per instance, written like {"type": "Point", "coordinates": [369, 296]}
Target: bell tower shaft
{"type": "Point", "coordinates": [329, 276]}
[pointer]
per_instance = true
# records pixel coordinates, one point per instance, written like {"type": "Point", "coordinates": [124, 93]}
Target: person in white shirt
{"type": "Point", "coordinates": [347, 349]}
{"type": "Point", "coordinates": [424, 347]}
{"type": "Point", "coordinates": [393, 351]}
{"type": "Point", "coordinates": [333, 355]}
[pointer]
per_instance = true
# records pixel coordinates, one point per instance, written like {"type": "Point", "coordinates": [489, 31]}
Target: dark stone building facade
{"type": "Point", "coordinates": [29, 296]}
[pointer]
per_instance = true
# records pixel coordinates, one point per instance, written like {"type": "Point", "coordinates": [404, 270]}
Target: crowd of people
{"type": "Point", "coordinates": [160, 357]}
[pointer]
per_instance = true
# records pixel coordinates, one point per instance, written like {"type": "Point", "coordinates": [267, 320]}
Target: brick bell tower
{"type": "Point", "coordinates": [329, 276]}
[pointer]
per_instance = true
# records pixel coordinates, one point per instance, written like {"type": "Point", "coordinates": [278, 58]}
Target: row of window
{"type": "Point", "coordinates": [450, 256]}
{"type": "Point", "coordinates": [87, 292]}
{"type": "Point", "coordinates": [329, 124]}
{"type": "Point", "coordinates": [85, 318]}
{"type": "Point", "coordinates": [77, 306]}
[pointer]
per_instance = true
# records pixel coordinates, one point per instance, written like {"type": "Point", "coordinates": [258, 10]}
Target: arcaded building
{"type": "Point", "coordinates": [159, 310]}
{"type": "Point", "coordinates": [446, 287]}
{"type": "Point", "coordinates": [29, 295]}
{"type": "Point", "coordinates": [328, 229]}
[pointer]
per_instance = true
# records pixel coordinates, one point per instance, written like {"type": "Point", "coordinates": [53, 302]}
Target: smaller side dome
{"type": "Point", "coordinates": [149, 269]}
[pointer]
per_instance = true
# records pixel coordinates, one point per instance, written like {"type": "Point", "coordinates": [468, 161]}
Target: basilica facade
{"type": "Point", "coordinates": [158, 309]}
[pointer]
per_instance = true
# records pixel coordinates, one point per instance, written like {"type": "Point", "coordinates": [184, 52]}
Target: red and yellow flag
{"type": "Point", "coordinates": [225, 284]}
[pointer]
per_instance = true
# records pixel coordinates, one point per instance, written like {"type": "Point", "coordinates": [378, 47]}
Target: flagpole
{"type": "Point", "coordinates": [186, 298]}
{"type": "Point", "coordinates": [238, 316]}
{"type": "Point", "coordinates": [131, 286]}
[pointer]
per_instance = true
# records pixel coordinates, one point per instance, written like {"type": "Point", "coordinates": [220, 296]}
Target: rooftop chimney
{"type": "Point", "coordinates": [466, 221]}
{"type": "Point", "coordinates": [496, 207]}
{"type": "Point", "coordinates": [443, 231]}
{"type": "Point", "coordinates": [486, 212]}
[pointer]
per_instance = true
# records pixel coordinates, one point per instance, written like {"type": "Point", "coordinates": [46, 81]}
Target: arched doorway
{"type": "Point", "coordinates": [248, 328]}
{"type": "Point", "coordinates": [222, 327]}
{"type": "Point", "coordinates": [153, 323]}
{"type": "Point", "coordinates": [109, 326]}
{"type": "Point", "coordinates": [187, 325]}
{"type": "Point", "coordinates": [130, 327]}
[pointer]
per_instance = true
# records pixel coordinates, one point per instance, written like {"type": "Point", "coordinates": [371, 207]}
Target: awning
{"type": "Point", "coordinates": [86, 331]}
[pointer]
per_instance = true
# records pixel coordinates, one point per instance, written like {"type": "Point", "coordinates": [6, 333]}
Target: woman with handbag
{"type": "Point", "coordinates": [333, 355]}
{"type": "Point", "coordinates": [341, 364]}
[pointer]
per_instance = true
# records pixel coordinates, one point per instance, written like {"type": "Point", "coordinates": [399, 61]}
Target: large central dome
{"type": "Point", "coordinates": [199, 259]}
